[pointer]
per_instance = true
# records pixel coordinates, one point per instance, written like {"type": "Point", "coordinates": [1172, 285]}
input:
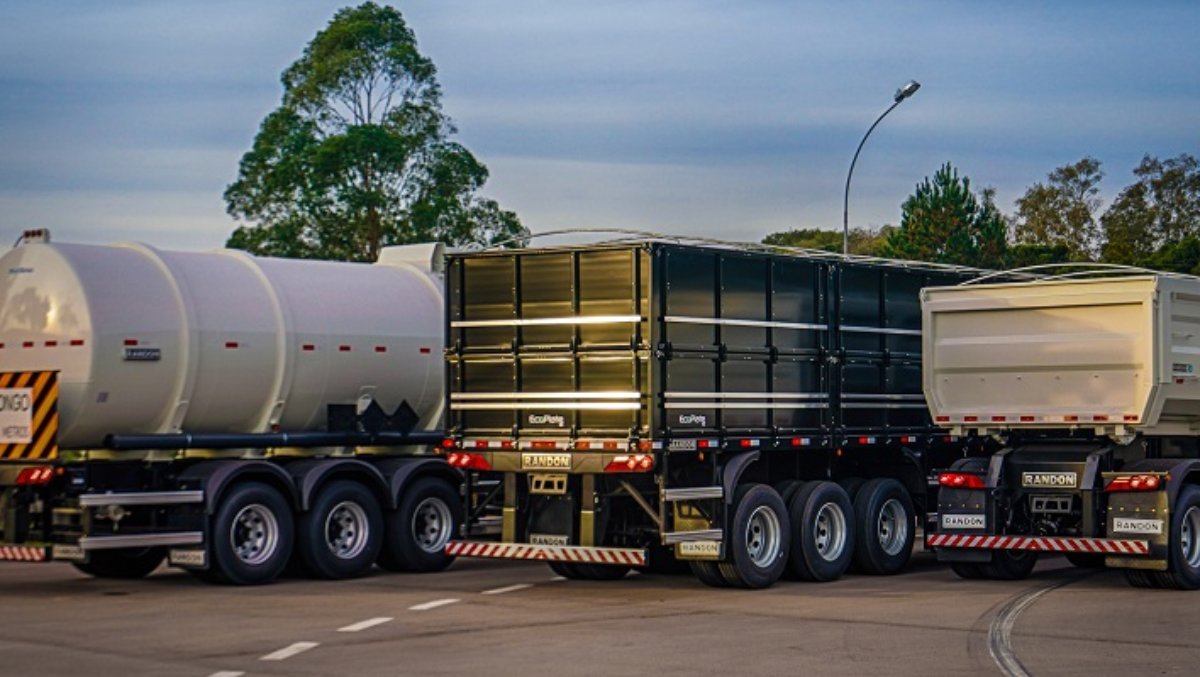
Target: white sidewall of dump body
{"type": "Point", "coordinates": [230, 342]}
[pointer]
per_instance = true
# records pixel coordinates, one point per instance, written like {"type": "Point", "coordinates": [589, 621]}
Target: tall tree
{"type": "Point", "coordinates": [1160, 209]}
{"type": "Point", "coordinates": [1062, 211]}
{"type": "Point", "coordinates": [358, 155]}
{"type": "Point", "coordinates": [943, 221]}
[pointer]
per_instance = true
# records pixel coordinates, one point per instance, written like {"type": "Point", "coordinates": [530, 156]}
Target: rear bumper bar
{"type": "Point", "coordinates": [24, 553]}
{"type": "Point", "coordinates": [1113, 546]}
{"type": "Point", "coordinates": [548, 553]}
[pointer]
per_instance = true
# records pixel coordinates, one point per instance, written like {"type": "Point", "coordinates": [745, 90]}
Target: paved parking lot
{"type": "Point", "coordinates": [484, 617]}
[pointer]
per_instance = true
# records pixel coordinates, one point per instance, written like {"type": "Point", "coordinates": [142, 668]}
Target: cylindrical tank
{"type": "Point", "coordinates": [152, 341]}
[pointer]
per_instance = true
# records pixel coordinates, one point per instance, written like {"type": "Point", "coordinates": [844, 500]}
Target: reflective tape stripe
{"type": "Point", "coordinates": [547, 553]}
{"type": "Point", "coordinates": [1040, 543]}
{"type": "Point", "coordinates": [21, 553]}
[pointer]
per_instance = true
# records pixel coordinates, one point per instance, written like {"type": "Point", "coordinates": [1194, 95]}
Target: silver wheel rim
{"type": "Point", "coordinates": [1189, 531]}
{"type": "Point", "coordinates": [347, 530]}
{"type": "Point", "coordinates": [432, 525]}
{"type": "Point", "coordinates": [254, 534]}
{"type": "Point", "coordinates": [762, 536]}
{"type": "Point", "coordinates": [893, 527]}
{"type": "Point", "coordinates": [829, 531]}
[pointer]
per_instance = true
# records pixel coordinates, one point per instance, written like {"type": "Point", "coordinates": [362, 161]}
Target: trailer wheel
{"type": "Point", "coordinates": [822, 532]}
{"type": "Point", "coordinates": [341, 534]}
{"type": "Point", "coordinates": [760, 538]}
{"type": "Point", "coordinates": [883, 514]}
{"type": "Point", "coordinates": [967, 570]}
{"type": "Point", "coordinates": [1183, 562]}
{"type": "Point", "coordinates": [251, 535]}
{"type": "Point", "coordinates": [1140, 578]}
{"type": "Point", "coordinates": [709, 573]}
{"type": "Point", "coordinates": [852, 485]}
{"type": "Point", "coordinates": [787, 489]}
{"type": "Point", "coordinates": [416, 533]}
{"type": "Point", "coordinates": [1010, 565]}
{"type": "Point", "coordinates": [122, 563]}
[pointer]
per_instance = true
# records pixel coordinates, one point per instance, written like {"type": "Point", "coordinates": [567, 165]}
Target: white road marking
{"type": "Point", "coordinates": [289, 651]}
{"type": "Point", "coordinates": [1000, 632]}
{"type": "Point", "coordinates": [510, 588]}
{"type": "Point", "coordinates": [432, 605]}
{"type": "Point", "coordinates": [227, 673]}
{"type": "Point", "coordinates": [369, 623]}
{"type": "Point", "coordinates": [558, 578]}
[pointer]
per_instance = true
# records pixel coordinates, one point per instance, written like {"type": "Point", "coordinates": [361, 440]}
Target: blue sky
{"type": "Point", "coordinates": [125, 120]}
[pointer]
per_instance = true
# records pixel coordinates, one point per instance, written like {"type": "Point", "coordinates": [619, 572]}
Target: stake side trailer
{"type": "Point", "coordinates": [652, 404]}
{"type": "Point", "coordinates": [227, 411]}
{"type": "Point", "coordinates": [1093, 386]}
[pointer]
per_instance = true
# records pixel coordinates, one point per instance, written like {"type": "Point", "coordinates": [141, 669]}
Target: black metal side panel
{"type": "Point", "coordinates": [549, 342]}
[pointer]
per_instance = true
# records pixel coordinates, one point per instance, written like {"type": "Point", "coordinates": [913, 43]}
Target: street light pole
{"type": "Point", "coordinates": [903, 93]}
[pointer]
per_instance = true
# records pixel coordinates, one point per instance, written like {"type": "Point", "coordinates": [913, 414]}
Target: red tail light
{"type": "Point", "coordinates": [1135, 483]}
{"type": "Point", "coordinates": [468, 461]}
{"type": "Point", "coordinates": [631, 463]}
{"type": "Point", "coordinates": [35, 476]}
{"type": "Point", "coordinates": [449, 443]}
{"type": "Point", "coordinates": [961, 480]}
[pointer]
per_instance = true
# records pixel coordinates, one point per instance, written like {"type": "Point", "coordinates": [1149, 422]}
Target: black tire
{"type": "Point", "coordinates": [884, 527]}
{"type": "Point", "coordinates": [1086, 560]}
{"type": "Point", "coordinates": [252, 535]}
{"type": "Point", "coordinates": [1010, 565]}
{"type": "Point", "coordinates": [822, 532]}
{"type": "Point", "coordinates": [709, 573]}
{"type": "Point", "coordinates": [787, 489]}
{"type": "Point", "coordinates": [603, 572]}
{"type": "Point", "coordinates": [416, 532]}
{"type": "Point", "coordinates": [851, 485]}
{"type": "Point", "coordinates": [760, 537]}
{"type": "Point", "coordinates": [1140, 578]}
{"type": "Point", "coordinates": [566, 570]}
{"type": "Point", "coordinates": [967, 570]}
{"type": "Point", "coordinates": [123, 563]}
{"type": "Point", "coordinates": [341, 534]}
{"type": "Point", "coordinates": [1183, 559]}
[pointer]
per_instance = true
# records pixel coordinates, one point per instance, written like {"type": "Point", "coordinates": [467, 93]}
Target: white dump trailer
{"type": "Point", "coordinates": [228, 410]}
{"type": "Point", "coordinates": [1091, 388]}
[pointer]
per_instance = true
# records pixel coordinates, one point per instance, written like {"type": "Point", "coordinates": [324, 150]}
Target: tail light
{"type": "Point", "coordinates": [468, 461]}
{"type": "Point", "coordinates": [449, 443]}
{"type": "Point", "coordinates": [961, 480]}
{"type": "Point", "coordinates": [1135, 483]}
{"type": "Point", "coordinates": [35, 476]}
{"type": "Point", "coordinates": [631, 463]}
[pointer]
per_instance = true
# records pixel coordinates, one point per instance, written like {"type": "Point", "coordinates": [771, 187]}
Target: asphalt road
{"type": "Point", "coordinates": [502, 618]}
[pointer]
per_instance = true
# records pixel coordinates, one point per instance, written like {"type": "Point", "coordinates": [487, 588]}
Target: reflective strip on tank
{"type": "Point", "coordinates": [1040, 543]}
{"type": "Point", "coordinates": [548, 553]}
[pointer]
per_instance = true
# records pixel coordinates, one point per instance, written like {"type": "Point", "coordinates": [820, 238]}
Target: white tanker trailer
{"type": "Point", "coordinates": [226, 411]}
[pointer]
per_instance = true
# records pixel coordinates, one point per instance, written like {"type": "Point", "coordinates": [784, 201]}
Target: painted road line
{"type": "Point", "coordinates": [558, 578]}
{"type": "Point", "coordinates": [369, 623]}
{"type": "Point", "coordinates": [227, 673]}
{"type": "Point", "coordinates": [432, 605]}
{"type": "Point", "coordinates": [1000, 632]}
{"type": "Point", "coordinates": [289, 651]}
{"type": "Point", "coordinates": [509, 588]}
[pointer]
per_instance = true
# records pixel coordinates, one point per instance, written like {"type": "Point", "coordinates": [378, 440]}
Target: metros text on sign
{"type": "Point", "coordinates": [16, 415]}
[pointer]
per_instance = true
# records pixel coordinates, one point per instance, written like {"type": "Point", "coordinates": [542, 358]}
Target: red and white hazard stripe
{"type": "Point", "coordinates": [1041, 543]}
{"type": "Point", "coordinates": [21, 553]}
{"type": "Point", "coordinates": [548, 553]}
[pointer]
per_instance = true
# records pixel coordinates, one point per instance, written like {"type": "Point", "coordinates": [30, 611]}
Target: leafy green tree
{"type": "Point", "coordinates": [1177, 257]}
{"type": "Point", "coordinates": [943, 221]}
{"type": "Point", "coordinates": [1159, 210]}
{"type": "Point", "coordinates": [863, 241]}
{"type": "Point", "coordinates": [1062, 211]}
{"type": "Point", "coordinates": [358, 155]}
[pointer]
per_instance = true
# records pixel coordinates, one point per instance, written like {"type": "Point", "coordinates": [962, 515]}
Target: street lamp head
{"type": "Point", "coordinates": [907, 90]}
